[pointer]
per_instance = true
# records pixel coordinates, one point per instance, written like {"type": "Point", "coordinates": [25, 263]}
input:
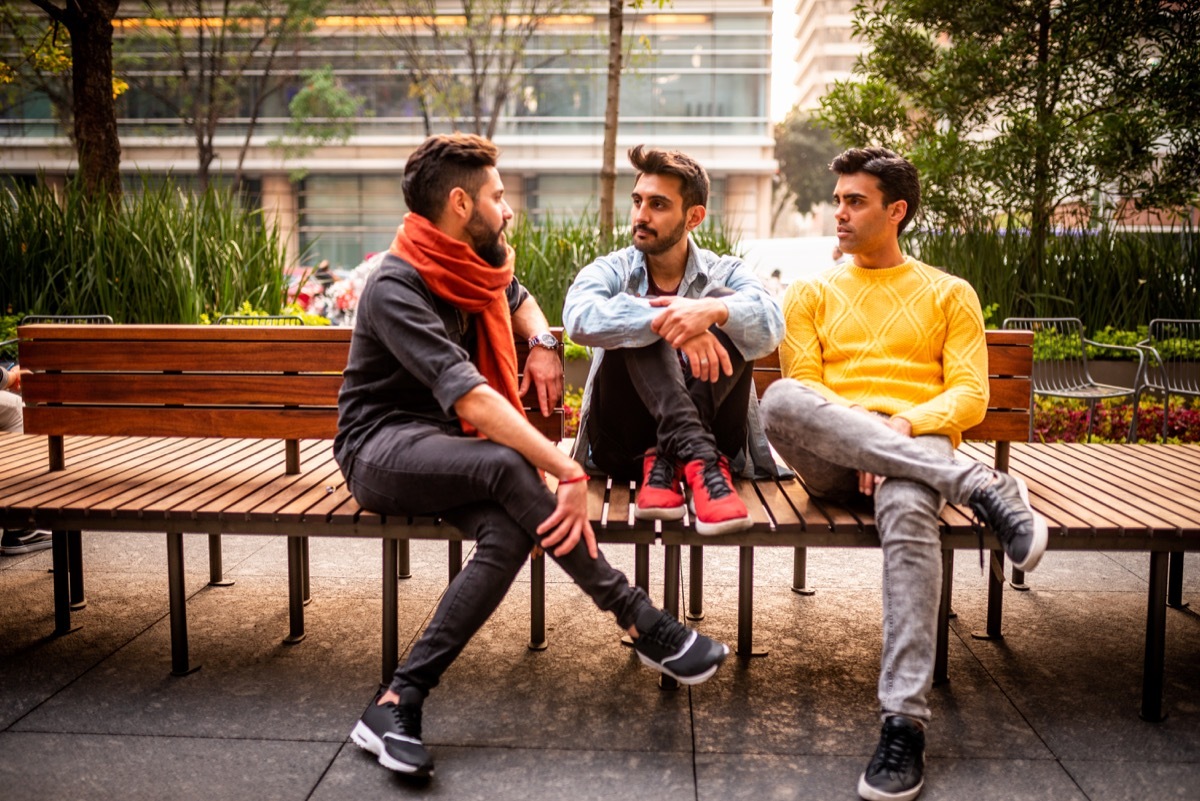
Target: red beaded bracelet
{"type": "Point", "coordinates": [576, 480]}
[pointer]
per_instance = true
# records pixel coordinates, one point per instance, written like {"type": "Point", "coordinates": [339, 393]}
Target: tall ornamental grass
{"type": "Point", "coordinates": [162, 255]}
{"type": "Point", "coordinates": [1107, 277]}
{"type": "Point", "coordinates": [550, 255]}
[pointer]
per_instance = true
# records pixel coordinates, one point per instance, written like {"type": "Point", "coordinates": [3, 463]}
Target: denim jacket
{"type": "Point", "coordinates": [606, 307]}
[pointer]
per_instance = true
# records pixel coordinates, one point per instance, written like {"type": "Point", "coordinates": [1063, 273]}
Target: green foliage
{"type": "Point", "coordinates": [1105, 277]}
{"type": "Point", "coordinates": [804, 148]}
{"type": "Point", "coordinates": [161, 256]}
{"type": "Point", "coordinates": [548, 256]}
{"type": "Point", "coordinates": [323, 112]}
{"type": "Point", "coordinates": [1017, 111]}
{"type": "Point", "coordinates": [248, 311]}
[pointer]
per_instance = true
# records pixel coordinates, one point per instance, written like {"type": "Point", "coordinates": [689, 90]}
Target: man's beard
{"type": "Point", "coordinates": [661, 244]}
{"type": "Point", "coordinates": [486, 242]}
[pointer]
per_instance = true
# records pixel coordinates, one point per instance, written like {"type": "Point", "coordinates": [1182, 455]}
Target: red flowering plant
{"type": "Point", "coordinates": [1065, 420]}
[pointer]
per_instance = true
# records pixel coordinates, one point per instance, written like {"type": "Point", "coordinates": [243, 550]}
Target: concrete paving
{"type": "Point", "coordinates": [1049, 712]}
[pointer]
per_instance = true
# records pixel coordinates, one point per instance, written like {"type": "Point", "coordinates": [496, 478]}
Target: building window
{"type": "Point", "coordinates": [345, 218]}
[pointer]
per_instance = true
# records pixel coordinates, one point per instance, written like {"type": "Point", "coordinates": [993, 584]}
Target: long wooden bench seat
{"type": "Point", "coordinates": [177, 429]}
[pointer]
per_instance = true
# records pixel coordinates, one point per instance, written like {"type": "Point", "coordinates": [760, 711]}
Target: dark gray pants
{"type": "Point", "coordinates": [491, 493]}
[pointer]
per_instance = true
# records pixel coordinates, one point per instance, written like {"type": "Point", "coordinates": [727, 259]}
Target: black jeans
{"type": "Point", "coordinates": [641, 398]}
{"type": "Point", "coordinates": [489, 492]}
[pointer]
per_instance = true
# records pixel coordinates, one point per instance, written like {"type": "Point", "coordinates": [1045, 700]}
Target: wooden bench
{"type": "Point", "coordinates": [122, 404]}
{"type": "Point", "coordinates": [171, 429]}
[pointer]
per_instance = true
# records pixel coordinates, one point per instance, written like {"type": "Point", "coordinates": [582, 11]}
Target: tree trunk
{"type": "Point", "coordinates": [612, 103]}
{"type": "Point", "coordinates": [90, 24]}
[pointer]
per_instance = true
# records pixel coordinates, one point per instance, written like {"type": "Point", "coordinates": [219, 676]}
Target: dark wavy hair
{"type": "Point", "coordinates": [693, 178]}
{"type": "Point", "coordinates": [898, 179]}
{"type": "Point", "coordinates": [440, 164]}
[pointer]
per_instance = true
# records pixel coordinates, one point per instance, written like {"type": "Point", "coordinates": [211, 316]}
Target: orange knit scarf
{"type": "Point", "coordinates": [456, 274]}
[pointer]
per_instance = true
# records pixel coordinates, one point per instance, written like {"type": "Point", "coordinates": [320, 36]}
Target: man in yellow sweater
{"type": "Point", "coordinates": [885, 366]}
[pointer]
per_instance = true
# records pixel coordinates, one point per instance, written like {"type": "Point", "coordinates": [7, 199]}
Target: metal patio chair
{"type": "Point", "coordinates": [260, 319]}
{"type": "Point", "coordinates": [1171, 366]}
{"type": "Point", "coordinates": [1066, 374]}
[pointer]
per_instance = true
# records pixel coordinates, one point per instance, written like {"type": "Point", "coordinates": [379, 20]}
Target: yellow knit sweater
{"type": "Point", "coordinates": [906, 341]}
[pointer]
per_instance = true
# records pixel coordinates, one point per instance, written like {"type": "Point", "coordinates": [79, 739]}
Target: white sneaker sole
{"type": "Point", "coordinates": [724, 526]}
{"type": "Point", "coordinates": [368, 740]}
{"type": "Point", "coordinates": [869, 793]}
{"type": "Point", "coordinates": [699, 678]}
{"type": "Point", "coordinates": [1041, 533]}
{"type": "Point", "coordinates": [658, 513]}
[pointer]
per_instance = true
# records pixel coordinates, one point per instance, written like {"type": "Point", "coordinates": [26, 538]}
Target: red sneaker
{"type": "Point", "coordinates": [661, 495]}
{"type": "Point", "coordinates": [718, 508]}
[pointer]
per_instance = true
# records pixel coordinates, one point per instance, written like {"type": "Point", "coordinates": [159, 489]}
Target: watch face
{"type": "Point", "coordinates": [546, 341]}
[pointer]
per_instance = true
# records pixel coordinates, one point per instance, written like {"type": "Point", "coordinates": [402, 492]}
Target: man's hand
{"type": "Point", "coordinates": [707, 357]}
{"type": "Point", "coordinates": [543, 369]}
{"type": "Point", "coordinates": [867, 482]}
{"type": "Point", "coordinates": [684, 318]}
{"type": "Point", "coordinates": [569, 522]}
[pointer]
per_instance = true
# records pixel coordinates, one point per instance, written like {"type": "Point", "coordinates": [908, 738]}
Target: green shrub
{"type": "Point", "coordinates": [162, 256]}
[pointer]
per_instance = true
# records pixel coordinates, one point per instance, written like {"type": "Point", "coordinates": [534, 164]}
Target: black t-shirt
{"type": "Point", "coordinates": [410, 358]}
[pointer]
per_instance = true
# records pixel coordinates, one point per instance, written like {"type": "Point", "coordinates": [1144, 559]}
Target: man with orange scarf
{"type": "Point", "coordinates": [431, 423]}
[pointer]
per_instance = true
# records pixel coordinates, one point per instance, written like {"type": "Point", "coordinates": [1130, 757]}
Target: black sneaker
{"type": "Point", "coordinates": [897, 771]}
{"type": "Point", "coordinates": [1004, 506]}
{"type": "Point", "coordinates": [393, 733]}
{"type": "Point", "coordinates": [672, 648]}
{"type": "Point", "coordinates": [24, 540]}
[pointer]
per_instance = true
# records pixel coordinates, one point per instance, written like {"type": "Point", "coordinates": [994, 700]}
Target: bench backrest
{"type": "Point", "coordinates": [1010, 369]}
{"type": "Point", "coordinates": [273, 382]}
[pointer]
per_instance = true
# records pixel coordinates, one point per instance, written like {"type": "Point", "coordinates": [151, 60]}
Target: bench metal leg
{"type": "Point", "coordinates": [75, 569]}
{"type": "Point", "coordinates": [995, 613]}
{"type": "Point", "coordinates": [62, 583]}
{"type": "Point", "coordinates": [295, 547]}
{"type": "Point", "coordinates": [641, 566]}
{"type": "Point", "coordinates": [671, 567]}
{"type": "Point", "coordinates": [1156, 640]}
{"type": "Point", "coordinates": [455, 547]}
{"type": "Point", "coordinates": [537, 603]}
{"type": "Point", "coordinates": [304, 565]}
{"type": "Point", "coordinates": [800, 572]}
{"type": "Point", "coordinates": [745, 643]}
{"type": "Point", "coordinates": [216, 568]}
{"type": "Point", "coordinates": [391, 614]}
{"type": "Point", "coordinates": [941, 658]}
{"type": "Point", "coordinates": [177, 593]}
{"type": "Point", "coordinates": [695, 582]}
{"type": "Point", "coordinates": [1018, 581]}
{"type": "Point", "coordinates": [1175, 581]}
{"type": "Point", "coordinates": [403, 560]}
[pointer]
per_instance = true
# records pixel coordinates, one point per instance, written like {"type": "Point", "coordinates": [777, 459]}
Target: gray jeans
{"type": "Point", "coordinates": [827, 444]}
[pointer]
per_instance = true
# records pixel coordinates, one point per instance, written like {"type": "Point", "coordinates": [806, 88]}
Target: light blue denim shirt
{"type": "Point", "coordinates": [607, 307]}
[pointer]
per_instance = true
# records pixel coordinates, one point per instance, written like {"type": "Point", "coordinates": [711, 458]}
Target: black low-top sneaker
{"type": "Point", "coordinates": [672, 648]}
{"type": "Point", "coordinates": [1004, 506]}
{"type": "Point", "coordinates": [392, 732]}
{"type": "Point", "coordinates": [24, 540]}
{"type": "Point", "coordinates": [897, 771]}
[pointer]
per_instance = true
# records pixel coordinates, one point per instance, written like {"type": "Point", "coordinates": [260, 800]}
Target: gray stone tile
{"type": "Point", "coordinates": [1072, 664]}
{"type": "Point", "coordinates": [88, 767]}
{"type": "Point", "coordinates": [815, 778]}
{"type": "Point", "coordinates": [516, 774]}
{"type": "Point", "coordinates": [585, 688]}
{"type": "Point", "coordinates": [815, 692]}
{"type": "Point", "coordinates": [1135, 781]}
{"type": "Point", "coordinates": [251, 685]}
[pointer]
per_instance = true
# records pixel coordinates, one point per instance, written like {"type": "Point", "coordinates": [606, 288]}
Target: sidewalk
{"type": "Point", "coordinates": [1048, 713]}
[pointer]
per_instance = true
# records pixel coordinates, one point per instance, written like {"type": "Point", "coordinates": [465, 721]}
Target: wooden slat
{"type": "Point", "coordinates": [1005, 426]}
{"type": "Point", "coordinates": [282, 355]}
{"type": "Point", "coordinates": [185, 422]}
{"type": "Point", "coordinates": [182, 333]}
{"type": "Point", "coordinates": [183, 390]}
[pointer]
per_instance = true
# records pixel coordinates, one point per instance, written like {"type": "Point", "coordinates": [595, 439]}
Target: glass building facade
{"type": "Point", "coordinates": [697, 79]}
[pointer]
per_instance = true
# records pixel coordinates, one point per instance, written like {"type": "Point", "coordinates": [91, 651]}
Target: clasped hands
{"type": "Point", "coordinates": [684, 324]}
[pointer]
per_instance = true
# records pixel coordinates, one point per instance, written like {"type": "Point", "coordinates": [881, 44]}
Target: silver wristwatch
{"type": "Point", "coordinates": [544, 340]}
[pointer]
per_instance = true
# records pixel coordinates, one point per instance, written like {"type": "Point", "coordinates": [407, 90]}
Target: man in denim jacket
{"type": "Point", "coordinates": [669, 399]}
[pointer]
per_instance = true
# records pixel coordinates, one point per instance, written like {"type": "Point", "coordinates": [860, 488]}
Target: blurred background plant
{"type": "Point", "coordinates": [1065, 420]}
{"type": "Point", "coordinates": [160, 255]}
